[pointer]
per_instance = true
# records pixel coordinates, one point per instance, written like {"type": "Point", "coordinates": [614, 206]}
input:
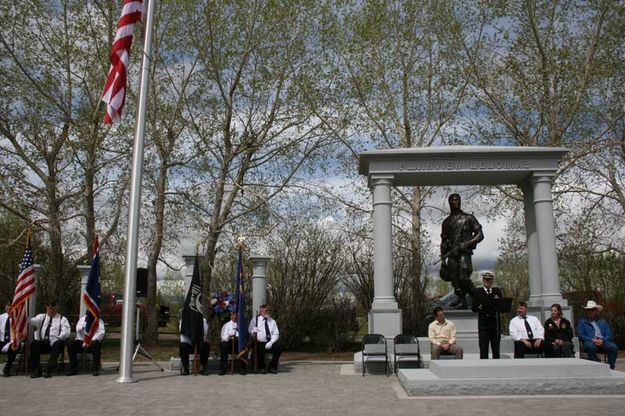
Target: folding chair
{"type": "Point", "coordinates": [374, 345]}
{"type": "Point", "coordinates": [406, 348]}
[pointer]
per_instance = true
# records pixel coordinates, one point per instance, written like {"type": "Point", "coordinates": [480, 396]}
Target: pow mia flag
{"type": "Point", "coordinates": [192, 325]}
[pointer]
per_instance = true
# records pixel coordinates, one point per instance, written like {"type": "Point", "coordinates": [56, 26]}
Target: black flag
{"type": "Point", "coordinates": [192, 325]}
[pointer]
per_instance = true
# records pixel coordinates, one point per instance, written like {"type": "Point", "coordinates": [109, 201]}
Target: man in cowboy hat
{"type": "Point", "coordinates": [595, 334]}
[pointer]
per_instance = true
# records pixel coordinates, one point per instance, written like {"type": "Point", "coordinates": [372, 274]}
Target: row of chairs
{"type": "Point", "coordinates": [405, 348]}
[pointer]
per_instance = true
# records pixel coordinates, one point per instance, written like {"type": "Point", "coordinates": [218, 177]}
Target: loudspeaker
{"type": "Point", "coordinates": [142, 282]}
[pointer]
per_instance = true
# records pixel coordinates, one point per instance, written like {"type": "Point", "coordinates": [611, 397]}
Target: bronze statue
{"type": "Point", "coordinates": [461, 232]}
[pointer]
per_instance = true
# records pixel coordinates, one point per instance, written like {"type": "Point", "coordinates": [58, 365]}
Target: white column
{"type": "Point", "coordinates": [259, 282]}
{"type": "Point", "coordinates": [531, 239]}
{"type": "Point", "coordinates": [84, 276]}
{"type": "Point", "coordinates": [189, 262]}
{"type": "Point", "coordinates": [545, 230]}
{"type": "Point", "coordinates": [384, 317]}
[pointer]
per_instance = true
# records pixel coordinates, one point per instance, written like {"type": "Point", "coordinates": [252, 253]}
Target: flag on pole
{"type": "Point", "coordinates": [24, 289]}
{"type": "Point", "coordinates": [240, 297]}
{"type": "Point", "coordinates": [192, 325]}
{"type": "Point", "coordinates": [115, 88]}
{"type": "Point", "coordinates": [91, 297]}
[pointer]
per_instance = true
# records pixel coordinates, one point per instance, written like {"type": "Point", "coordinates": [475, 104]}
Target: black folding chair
{"type": "Point", "coordinates": [406, 348]}
{"type": "Point", "coordinates": [374, 346]}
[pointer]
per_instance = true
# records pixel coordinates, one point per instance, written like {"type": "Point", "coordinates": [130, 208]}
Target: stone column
{"type": "Point", "coordinates": [84, 275]}
{"type": "Point", "coordinates": [384, 317]}
{"type": "Point", "coordinates": [259, 282]}
{"type": "Point", "coordinates": [189, 262]}
{"type": "Point", "coordinates": [545, 230]}
{"type": "Point", "coordinates": [531, 239]}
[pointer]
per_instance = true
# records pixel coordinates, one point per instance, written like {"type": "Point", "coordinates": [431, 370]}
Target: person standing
{"type": "Point", "coordinates": [442, 336]}
{"type": "Point", "coordinates": [79, 344]}
{"type": "Point", "coordinates": [595, 334]}
{"type": "Point", "coordinates": [558, 334]}
{"type": "Point", "coordinates": [265, 331]}
{"type": "Point", "coordinates": [527, 332]}
{"type": "Point", "coordinates": [51, 329]}
{"type": "Point", "coordinates": [486, 303]}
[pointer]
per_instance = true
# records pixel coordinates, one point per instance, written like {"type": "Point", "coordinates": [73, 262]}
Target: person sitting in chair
{"type": "Point", "coordinates": [442, 336]}
{"type": "Point", "coordinates": [186, 347]}
{"type": "Point", "coordinates": [595, 334]}
{"type": "Point", "coordinates": [264, 331]}
{"type": "Point", "coordinates": [527, 332]}
{"type": "Point", "coordinates": [6, 339]}
{"type": "Point", "coordinates": [80, 344]}
{"type": "Point", "coordinates": [229, 344]}
{"type": "Point", "coordinates": [51, 331]}
{"type": "Point", "coordinates": [558, 334]}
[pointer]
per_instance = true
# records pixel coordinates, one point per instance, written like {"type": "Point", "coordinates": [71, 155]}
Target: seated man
{"type": "Point", "coordinates": [51, 329]}
{"type": "Point", "coordinates": [5, 340]}
{"type": "Point", "coordinates": [527, 332]}
{"type": "Point", "coordinates": [80, 344]}
{"type": "Point", "coordinates": [442, 336]}
{"type": "Point", "coordinates": [187, 347]}
{"type": "Point", "coordinates": [229, 344]}
{"type": "Point", "coordinates": [595, 334]}
{"type": "Point", "coordinates": [264, 332]}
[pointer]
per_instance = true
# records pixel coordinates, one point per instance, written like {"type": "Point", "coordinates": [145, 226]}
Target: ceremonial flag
{"type": "Point", "coordinates": [115, 89]}
{"type": "Point", "coordinates": [24, 289]}
{"type": "Point", "coordinates": [91, 297]}
{"type": "Point", "coordinates": [192, 325]}
{"type": "Point", "coordinates": [240, 299]}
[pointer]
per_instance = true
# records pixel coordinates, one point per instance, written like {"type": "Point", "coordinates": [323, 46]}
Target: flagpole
{"type": "Point", "coordinates": [128, 314]}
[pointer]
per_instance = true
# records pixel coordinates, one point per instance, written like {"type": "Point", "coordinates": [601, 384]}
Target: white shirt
{"type": "Point", "coordinates": [80, 330]}
{"type": "Point", "coordinates": [186, 339]}
{"type": "Point", "coordinates": [59, 331]}
{"type": "Point", "coordinates": [229, 330]}
{"type": "Point", "coordinates": [518, 331]}
{"type": "Point", "coordinates": [257, 325]}
{"type": "Point", "coordinates": [3, 323]}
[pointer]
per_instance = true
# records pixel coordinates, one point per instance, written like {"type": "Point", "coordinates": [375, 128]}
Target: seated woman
{"type": "Point", "coordinates": [558, 334]}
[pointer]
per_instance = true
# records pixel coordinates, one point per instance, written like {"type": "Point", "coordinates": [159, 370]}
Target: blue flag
{"type": "Point", "coordinates": [91, 297]}
{"type": "Point", "coordinates": [240, 297]}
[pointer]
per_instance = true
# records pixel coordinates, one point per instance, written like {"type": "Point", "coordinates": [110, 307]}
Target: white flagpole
{"type": "Point", "coordinates": [128, 313]}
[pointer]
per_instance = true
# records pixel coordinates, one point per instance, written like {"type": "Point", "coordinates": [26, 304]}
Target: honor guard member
{"type": "Point", "coordinates": [78, 344]}
{"type": "Point", "coordinates": [51, 329]}
{"type": "Point", "coordinates": [186, 348]}
{"type": "Point", "coordinates": [265, 331]}
{"type": "Point", "coordinates": [486, 302]}
{"type": "Point", "coordinates": [527, 332]}
{"type": "Point", "coordinates": [229, 344]}
{"type": "Point", "coordinates": [5, 340]}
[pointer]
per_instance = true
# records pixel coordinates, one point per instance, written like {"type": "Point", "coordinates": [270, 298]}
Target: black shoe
{"type": "Point", "coordinates": [6, 373]}
{"type": "Point", "coordinates": [46, 374]}
{"type": "Point", "coordinates": [95, 373]}
{"type": "Point", "coordinates": [263, 371]}
{"type": "Point", "coordinates": [222, 372]}
{"type": "Point", "coordinates": [36, 374]}
{"type": "Point", "coordinates": [243, 372]}
{"type": "Point", "coordinates": [72, 373]}
{"type": "Point", "coordinates": [184, 372]}
{"type": "Point", "coordinates": [273, 371]}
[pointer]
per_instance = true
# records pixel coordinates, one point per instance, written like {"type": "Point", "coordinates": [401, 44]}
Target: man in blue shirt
{"type": "Point", "coordinates": [595, 334]}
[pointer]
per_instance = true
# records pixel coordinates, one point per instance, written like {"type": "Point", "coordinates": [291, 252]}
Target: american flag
{"type": "Point", "coordinates": [115, 89]}
{"type": "Point", "coordinates": [24, 288]}
{"type": "Point", "coordinates": [91, 297]}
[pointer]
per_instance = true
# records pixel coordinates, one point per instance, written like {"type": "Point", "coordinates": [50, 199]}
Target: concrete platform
{"type": "Point", "coordinates": [527, 376]}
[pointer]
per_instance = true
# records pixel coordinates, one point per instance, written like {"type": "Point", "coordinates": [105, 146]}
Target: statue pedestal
{"type": "Point", "coordinates": [465, 321]}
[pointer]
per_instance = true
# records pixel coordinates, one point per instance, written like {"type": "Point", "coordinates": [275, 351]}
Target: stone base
{"type": "Point", "coordinates": [527, 376]}
{"type": "Point", "coordinates": [386, 322]}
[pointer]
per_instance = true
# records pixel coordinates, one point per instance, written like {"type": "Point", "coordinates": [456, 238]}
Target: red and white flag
{"type": "Point", "coordinates": [115, 89]}
{"type": "Point", "coordinates": [24, 288]}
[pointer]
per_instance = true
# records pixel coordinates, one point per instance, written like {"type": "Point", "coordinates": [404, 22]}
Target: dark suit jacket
{"type": "Point", "coordinates": [553, 331]}
{"type": "Point", "coordinates": [486, 306]}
